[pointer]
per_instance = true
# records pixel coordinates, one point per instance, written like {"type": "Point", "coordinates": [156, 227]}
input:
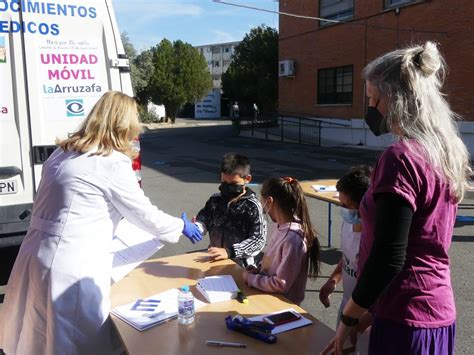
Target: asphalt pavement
{"type": "Point", "coordinates": [181, 165]}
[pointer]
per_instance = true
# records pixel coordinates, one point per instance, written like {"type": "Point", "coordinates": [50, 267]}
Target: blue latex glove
{"type": "Point", "coordinates": [190, 230]}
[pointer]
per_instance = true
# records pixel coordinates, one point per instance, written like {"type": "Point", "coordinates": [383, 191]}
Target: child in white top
{"type": "Point", "coordinates": [352, 188]}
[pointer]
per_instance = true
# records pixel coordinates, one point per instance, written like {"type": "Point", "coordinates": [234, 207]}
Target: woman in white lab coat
{"type": "Point", "coordinates": [57, 298]}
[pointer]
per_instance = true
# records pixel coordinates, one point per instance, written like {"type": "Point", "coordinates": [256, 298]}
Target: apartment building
{"type": "Point", "coordinates": [218, 57]}
{"type": "Point", "coordinates": [3, 54]}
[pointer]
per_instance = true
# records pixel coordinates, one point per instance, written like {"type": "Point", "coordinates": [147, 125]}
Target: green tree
{"type": "Point", "coordinates": [253, 74]}
{"type": "Point", "coordinates": [141, 66]}
{"type": "Point", "coordinates": [128, 46]}
{"type": "Point", "coordinates": [180, 76]}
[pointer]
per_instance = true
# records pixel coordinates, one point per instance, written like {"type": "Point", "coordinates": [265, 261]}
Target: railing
{"type": "Point", "coordinates": [291, 129]}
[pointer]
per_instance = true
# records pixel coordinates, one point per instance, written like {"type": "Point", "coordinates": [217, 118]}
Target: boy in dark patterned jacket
{"type": "Point", "coordinates": [234, 217]}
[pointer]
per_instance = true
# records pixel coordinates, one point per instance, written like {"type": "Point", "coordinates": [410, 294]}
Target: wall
{"type": "Point", "coordinates": [372, 32]}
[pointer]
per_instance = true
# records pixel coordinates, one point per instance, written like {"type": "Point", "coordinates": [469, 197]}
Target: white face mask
{"type": "Point", "coordinates": [266, 211]}
{"type": "Point", "coordinates": [350, 216]}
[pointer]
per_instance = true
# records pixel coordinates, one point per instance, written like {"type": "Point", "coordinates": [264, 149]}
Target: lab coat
{"type": "Point", "coordinates": [57, 298]}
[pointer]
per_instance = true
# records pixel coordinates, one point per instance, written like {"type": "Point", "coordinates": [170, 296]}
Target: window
{"type": "Point", "coordinates": [216, 77]}
{"type": "Point", "coordinates": [335, 85]}
{"type": "Point", "coordinates": [397, 3]}
{"type": "Point", "coordinates": [216, 50]}
{"type": "Point", "coordinates": [336, 10]}
{"type": "Point", "coordinates": [227, 49]}
{"type": "Point", "coordinates": [216, 63]}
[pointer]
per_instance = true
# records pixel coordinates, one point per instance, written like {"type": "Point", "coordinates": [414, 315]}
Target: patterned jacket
{"type": "Point", "coordinates": [240, 226]}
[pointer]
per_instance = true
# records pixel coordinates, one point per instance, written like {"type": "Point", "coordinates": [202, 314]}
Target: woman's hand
{"type": "Point", "coordinates": [364, 322]}
{"type": "Point", "coordinates": [325, 291]}
{"type": "Point", "coordinates": [336, 345]}
{"type": "Point", "coordinates": [351, 310]}
{"type": "Point", "coordinates": [191, 230]}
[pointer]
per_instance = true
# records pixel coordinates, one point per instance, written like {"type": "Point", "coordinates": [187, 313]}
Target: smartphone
{"type": "Point", "coordinates": [282, 318]}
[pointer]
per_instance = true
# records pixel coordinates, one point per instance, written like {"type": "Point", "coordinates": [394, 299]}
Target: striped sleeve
{"type": "Point", "coordinates": [255, 243]}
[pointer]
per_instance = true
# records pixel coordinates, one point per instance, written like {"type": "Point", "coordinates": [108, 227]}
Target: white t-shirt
{"type": "Point", "coordinates": [350, 242]}
{"type": "Point", "coordinates": [350, 252]}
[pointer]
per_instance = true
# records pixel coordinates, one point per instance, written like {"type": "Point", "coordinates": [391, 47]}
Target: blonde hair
{"type": "Point", "coordinates": [112, 124]}
{"type": "Point", "coordinates": [410, 79]}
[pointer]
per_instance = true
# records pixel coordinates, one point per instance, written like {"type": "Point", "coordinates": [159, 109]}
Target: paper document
{"type": "Point", "coordinates": [325, 188]}
{"type": "Point", "coordinates": [148, 312]}
{"type": "Point", "coordinates": [218, 288]}
{"type": "Point", "coordinates": [287, 326]}
{"type": "Point", "coordinates": [130, 247]}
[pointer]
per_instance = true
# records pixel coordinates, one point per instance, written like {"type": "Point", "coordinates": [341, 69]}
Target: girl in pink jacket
{"type": "Point", "coordinates": [293, 250]}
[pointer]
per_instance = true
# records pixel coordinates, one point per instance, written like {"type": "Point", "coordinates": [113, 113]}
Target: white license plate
{"type": "Point", "coordinates": [8, 187]}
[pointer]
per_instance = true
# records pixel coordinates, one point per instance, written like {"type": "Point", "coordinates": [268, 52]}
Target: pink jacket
{"type": "Point", "coordinates": [284, 268]}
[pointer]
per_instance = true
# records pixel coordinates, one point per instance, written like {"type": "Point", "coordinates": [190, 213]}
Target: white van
{"type": "Point", "coordinates": [56, 59]}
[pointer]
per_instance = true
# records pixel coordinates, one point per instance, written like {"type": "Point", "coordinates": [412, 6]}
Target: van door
{"type": "Point", "coordinates": [16, 179]}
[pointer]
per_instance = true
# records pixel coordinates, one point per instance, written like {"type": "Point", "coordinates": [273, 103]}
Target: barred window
{"type": "Point", "coordinates": [335, 85]}
{"type": "Point", "coordinates": [335, 10]}
{"type": "Point", "coordinates": [396, 3]}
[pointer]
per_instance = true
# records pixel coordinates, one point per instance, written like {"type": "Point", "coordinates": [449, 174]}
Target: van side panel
{"type": "Point", "coordinates": [59, 59]}
{"type": "Point", "coordinates": [67, 67]}
{"type": "Point", "coordinates": [16, 179]}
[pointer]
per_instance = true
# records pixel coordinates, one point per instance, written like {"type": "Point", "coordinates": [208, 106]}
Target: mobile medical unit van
{"type": "Point", "coordinates": [57, 58]}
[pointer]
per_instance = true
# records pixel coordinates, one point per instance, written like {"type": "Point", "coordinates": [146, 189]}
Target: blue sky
{"type": "Point", "coordinates": [197, 22]}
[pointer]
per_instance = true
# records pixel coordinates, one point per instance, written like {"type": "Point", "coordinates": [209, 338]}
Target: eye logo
{"type": "Point", "coordinates": [75, 108]}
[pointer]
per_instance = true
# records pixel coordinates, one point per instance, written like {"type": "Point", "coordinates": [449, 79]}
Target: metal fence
{"type": "Point", "coordinates": [291, 129]}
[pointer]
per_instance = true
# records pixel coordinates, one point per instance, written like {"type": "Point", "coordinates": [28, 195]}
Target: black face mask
{"type": "Point", "coordinates": [376, 121]}
{"type": "Point", "coordinates": [231, 191]}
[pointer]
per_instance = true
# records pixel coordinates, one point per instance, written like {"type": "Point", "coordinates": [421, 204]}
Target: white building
{"type": "Point", "coordinates": [3, 54]}
{"type": "Point", "coordinates": [218, 57]}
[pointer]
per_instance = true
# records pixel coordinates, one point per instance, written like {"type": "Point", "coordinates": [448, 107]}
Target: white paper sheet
{"type": "Point", "coordinates": [130, 247]}
{"type": "Point", "coordinates": [324, 188]}
{"type": "Point", "coordinates": [218, 288]}
{"type": "Point", "coordinates": [287, 326]}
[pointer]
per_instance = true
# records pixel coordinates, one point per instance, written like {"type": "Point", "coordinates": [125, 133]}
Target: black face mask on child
{"type": "Point", "coordinates": [231, 191]}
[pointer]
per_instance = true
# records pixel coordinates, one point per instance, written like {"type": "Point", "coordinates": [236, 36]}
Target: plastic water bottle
{"type": "Point", "coordinates": [185, 306]}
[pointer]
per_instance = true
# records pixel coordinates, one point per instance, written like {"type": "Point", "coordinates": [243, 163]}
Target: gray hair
{"type": "Point", "coordinates": [410, 80]}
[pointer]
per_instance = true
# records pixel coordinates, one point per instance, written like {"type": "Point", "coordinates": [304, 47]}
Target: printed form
{"type": "Point", "coordinates": [130, 247]}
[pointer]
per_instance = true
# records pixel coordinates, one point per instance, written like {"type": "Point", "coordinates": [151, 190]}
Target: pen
{"type": "Point", "coordinates": [225, 343]}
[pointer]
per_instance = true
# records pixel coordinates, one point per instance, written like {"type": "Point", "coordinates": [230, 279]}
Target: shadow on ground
{"type": "Point", "coordinates": [193, 154]}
